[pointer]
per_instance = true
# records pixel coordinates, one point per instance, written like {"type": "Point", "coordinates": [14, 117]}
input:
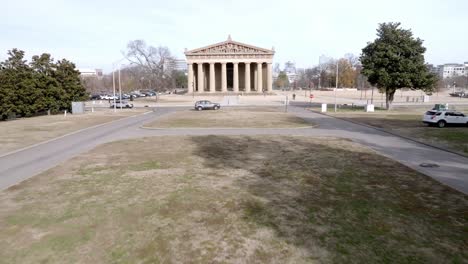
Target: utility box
{"type": "Point", "coordinates": [370, 108]}
{"type": "Point", "coordinates": [426, 98]}
{"type": "Point", "coordinates": [324, 108]}
{"type": "Point", "coordinates": [78, 107]}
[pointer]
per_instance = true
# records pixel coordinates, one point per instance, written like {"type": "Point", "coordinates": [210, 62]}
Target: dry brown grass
{"type": "Point", "coordinates": [236, 117]}
{"type": "Point", "coordinates": [408, 122]}
{"type": "Point", "coordinates": [23, 132]}
{"type": "Point", "coordinates": [232, 199]}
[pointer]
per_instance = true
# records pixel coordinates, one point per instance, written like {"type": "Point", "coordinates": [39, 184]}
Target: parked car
{"type": "Point", "coordinates": [95, 97]}
{"type": "Point", "coordinates": [442, 118]}
{"type": "Point", "coordinates": [123, 103]}
{"type": "Point", "coordinates": [458, 94]}
{"type": "Point", "coordinates": [202, 105]}
{"type": "Point", "coordinates": [108, 97]}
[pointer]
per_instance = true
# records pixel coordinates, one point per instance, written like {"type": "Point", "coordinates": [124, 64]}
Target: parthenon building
{"type": "Point", "coordinates": [229, 67]}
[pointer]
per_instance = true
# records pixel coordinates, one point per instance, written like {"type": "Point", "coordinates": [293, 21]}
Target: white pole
{"type": "Point", "coordinates": [120, 89]}
{"type": "Point", "coordinates": [336, 83]}
{"type": "Point", "coordinates": [113, 85]}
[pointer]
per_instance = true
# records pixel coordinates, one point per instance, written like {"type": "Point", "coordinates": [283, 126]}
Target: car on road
{"type": "Point", "coordinates": [123, 104]}
{"type": "Point", "coordinates": [204, 104]}
{"type": "Point", "coordinates": [443, 118]}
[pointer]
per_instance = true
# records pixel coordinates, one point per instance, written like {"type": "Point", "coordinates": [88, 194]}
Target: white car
{"type": "Point", "coordinates": [108, 97]}
{"type": "Point", "coordinates": [442, 118]}
{"type": "Point", "coordinates": [123, 104]}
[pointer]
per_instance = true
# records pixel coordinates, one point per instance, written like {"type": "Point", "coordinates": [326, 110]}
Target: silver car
{"type": "Point", "coordinates": [202, 105]}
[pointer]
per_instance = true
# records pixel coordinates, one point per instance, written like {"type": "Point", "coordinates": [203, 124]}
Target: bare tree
{"type": "Point", "coordinates": [352, 59]}
{"type": "Point", "coordinates": [156, 62]}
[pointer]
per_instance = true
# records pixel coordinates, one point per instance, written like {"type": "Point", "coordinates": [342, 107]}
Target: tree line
{"type": "Point", "coordinates": [393, 61]}
{"type": "Point", "coordinates": [145, 68]}
{"type": "Point", "coordinates": [39, 86]}
{"type": "Point", "coordinates": [324, 75]}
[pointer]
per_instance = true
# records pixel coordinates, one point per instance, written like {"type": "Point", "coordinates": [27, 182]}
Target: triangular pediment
{"type": "Point", "coordinates": [229, 47]}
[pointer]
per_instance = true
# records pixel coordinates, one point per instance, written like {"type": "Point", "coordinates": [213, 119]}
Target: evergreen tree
{"type": "Point", "coordinates": [17, 87]}
{"type": "Point", "coordinates": [28, 89]}
{"type": "Point", "coordinates": [395, 60]}
{"type": "Point", "coordinates": [68, 78]}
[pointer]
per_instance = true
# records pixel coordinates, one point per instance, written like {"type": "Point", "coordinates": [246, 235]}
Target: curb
{"type": "Point", "coordinates": [69, 134]}
{"type": "Point", "coordinates": [226, 128]}
{"type": "Point", "coordinates": [395, 134]}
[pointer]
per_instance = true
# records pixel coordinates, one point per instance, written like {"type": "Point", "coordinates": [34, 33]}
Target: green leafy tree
{"type": "Point", "coordinates": [68, 78]}
{"type": "Point", "coordinates": [395, 60]}
{"type": "Point", "coordinates": [282, 81]}
{"type": "Point", "coordinates": [180, 79]}
{"type": "Point", "coordinates": [47, 87]}
{"type": "Point", "coordinates": [29, 89]}
{"type": "Point", "coordinates": [17, 88]}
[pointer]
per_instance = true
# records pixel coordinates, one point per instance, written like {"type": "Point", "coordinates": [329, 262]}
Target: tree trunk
{"type": "Point", "coordinates": [389, 96]}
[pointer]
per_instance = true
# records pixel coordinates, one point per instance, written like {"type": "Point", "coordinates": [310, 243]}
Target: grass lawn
{"type": "Point", "coordinates": [408, 123]}
{"type": "Point", "coordinates": [232, 199]}
{"type": "Point", "coordinates": [235, 117]}
{"type": "Point", "coordinates": [23, 132]}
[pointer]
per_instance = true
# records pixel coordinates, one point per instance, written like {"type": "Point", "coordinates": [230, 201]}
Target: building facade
{"type": "Point", "coordinates": [229, 67]}
{"type": "Point", "coordinates": [176, 64]}
{"type": "Point", "coordinates": [453, 70]}
{"type": "Point", "coordinates": [90, 72]}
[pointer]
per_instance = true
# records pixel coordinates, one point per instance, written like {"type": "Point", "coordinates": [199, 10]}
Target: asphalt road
{"type": "Point", "coordinates": [452, 170]}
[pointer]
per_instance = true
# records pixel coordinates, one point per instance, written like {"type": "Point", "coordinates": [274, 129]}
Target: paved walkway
{"type": "Point", "coordinates": [453, 170]}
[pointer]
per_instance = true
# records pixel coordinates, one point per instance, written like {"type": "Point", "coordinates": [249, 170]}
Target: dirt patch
{"type": "Point", "coordinates": [232, 199]}
{"type": "Point", "coordinates": [238, 117]}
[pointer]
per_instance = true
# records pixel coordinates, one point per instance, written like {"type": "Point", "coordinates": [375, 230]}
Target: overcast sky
{"type": "Point", "coordinates": [93, 33]}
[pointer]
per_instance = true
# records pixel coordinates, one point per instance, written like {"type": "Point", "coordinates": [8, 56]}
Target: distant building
{"type": "Point", "coordinates": [90, 72]}
{"type": "Point", "coordinates": [449, 70]}
{"type": "Point", "coordinates": [290, 70]}
{"type": "Point", "coordinates": [177, 64]}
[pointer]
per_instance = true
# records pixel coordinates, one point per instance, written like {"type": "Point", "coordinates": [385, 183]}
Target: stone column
{"type": "Point", "coordinates": [212, 78]}
{"type": "Point", "coordinates": [190, 83]}
{"type": "Point", "coordinates": [259, 78]}
{"type": "Point", "coordinates": [247, 77]}
{"type": "Point", "coordinates": [236, 77]}
{"type": "Point", "coordinates": [255, 79]}
{"type": "Point", "coordinates": [269, 78]}
{"type": "Point", "coordinates": [223, 77]}
{"type": "Point", "coordinates": [200, 78]}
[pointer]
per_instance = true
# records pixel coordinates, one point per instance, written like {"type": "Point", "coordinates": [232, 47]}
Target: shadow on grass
{"type": "Point", "coordinates": [342, 203]}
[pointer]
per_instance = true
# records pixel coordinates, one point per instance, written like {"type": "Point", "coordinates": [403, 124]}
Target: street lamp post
{"type": "Point", "coordinates": [113, 86]}
{"type": "Point", "coordinates": [120, 89]}
{"type": "Point", "coordinates": [113, 83]}
{"type": "Point", "coordinates": [336, 83]}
